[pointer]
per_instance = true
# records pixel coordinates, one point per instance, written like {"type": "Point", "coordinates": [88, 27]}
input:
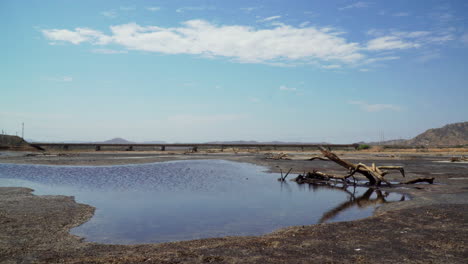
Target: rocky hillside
{"type": "Point", "coordinates": [8, 142]}
{"type": "Point", "coordinates": [448, 135]}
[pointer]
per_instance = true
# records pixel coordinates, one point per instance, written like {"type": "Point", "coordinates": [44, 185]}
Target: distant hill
{"type": "Point", "coordinates": [253, 142]}
{"type": "Point", "coordinates": [448, 135]}
{"type": "Point", "coordinates": [8, 142]}
{"type": "Point", "coordinates": [116, 141]}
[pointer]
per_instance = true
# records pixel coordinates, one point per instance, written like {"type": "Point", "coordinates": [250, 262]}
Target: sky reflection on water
{"type": "Point", "coordinates": [183, 200]}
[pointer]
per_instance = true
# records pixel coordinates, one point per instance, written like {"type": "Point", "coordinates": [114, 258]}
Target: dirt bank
{"type": "Point", "coordinates": [431, 228]}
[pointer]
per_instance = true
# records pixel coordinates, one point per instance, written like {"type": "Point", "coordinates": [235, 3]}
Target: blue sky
{"type": "Point", "coordinates": [193, 71]}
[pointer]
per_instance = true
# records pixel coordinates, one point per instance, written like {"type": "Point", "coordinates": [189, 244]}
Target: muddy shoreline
{"type": "Point", "coordinates": [432, 227]}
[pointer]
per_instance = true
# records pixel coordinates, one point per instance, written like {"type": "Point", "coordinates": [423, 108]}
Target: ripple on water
{"type": "Point", "coordinates": [182, 200]}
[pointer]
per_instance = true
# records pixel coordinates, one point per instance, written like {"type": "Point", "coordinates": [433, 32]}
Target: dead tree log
{"type": "Point", "coordinates": [459, 159]}
{"type": "Point", "coordinates": [374, 174]}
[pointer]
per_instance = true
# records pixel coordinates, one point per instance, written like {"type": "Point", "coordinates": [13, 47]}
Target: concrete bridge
{"type": "Point", "coordinates": [192, 146]}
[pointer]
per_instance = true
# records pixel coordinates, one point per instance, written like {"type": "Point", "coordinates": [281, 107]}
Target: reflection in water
{"type": "Point", "coordinates": [183, 200]}
{"type": "Point", "coordinates": [362, 201]}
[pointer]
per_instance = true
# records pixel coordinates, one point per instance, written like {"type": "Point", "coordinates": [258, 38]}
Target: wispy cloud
{"type": "Point", "coordinates": [401, 14]}
{"type": "Point", "coordinates": [249, 9]}
{"type": "Point", "coordinates": [355, 5]}
{"type": "Point", "coordinates": [194, 8]}
{"type": "Point", "coordinates": [331, 66]}
{"type": "Point", "coordinates": [109, 14]}
{"type": "Point", "coordinates": [390, 43]}
{"type": "Point", "coordinates": [394, 40]}
{"type": "Point", "coordinates": [287, 89]}
{"type": "Point", "coordinates": [153, 8]}
{"type": "Point", "coordinates": [58, 79]}
{"type": "Point", "coordinates": [377, 59]}
{"type": "Point", "coordinates": [303, 24]}
{"type": "Point", "coordinates": [375, 107]}
{"type": "Point", "coordinates": [268, 18]}
{"type": "Point", "coordinates": [428, 56]}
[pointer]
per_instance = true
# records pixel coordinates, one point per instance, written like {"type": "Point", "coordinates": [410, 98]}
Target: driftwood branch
{"type": "Point", "coordinates": [459, 159]}
{"type": "Point", "coordinates": [374, 174]}
{"type": "Point", "coordinates": [280, 156]}
{"type": "Point", "coordinates": [319, 158]}
{"type": "Point", "coordinates": [428, 180]}
{"type": "Point", "coordinates": [284, 178]}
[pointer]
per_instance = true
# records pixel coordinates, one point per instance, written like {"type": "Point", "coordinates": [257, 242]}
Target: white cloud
{"type": "Point", "coordinates": [355, 5]}
{"type": "Point", "coordinates": [375, 107]}
{"type": "Point", "coordinates": [153, 8]}
{"type": "Point", "coordinates": [58, 79]}
{"type": "Point", "coordinates": [109, 51]}
{"type": "Point", "coordinates": [109, 14]}
{"type": "Point", "coordinates": [390, 43]}
{"type": "Point", "coordinates": [269, 18]}
{"type": "Point", "coordinates": [288, 89]}
{"type": "Point", "coordinates": [324, 47]}
{"type": "Point", "coordinates": [77, 36]}
{"type": "Point", "coordinates": [242, 43]}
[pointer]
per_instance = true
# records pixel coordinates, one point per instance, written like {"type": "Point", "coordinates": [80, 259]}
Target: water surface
{"type": "Point", "coordinates": [183, 200]}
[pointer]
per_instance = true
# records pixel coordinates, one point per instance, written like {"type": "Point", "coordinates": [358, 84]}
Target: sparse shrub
{"type": "Point", "coordinates": [363, 146]}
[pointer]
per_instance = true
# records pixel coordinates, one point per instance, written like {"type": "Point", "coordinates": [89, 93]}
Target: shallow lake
{"type": "Point", "coordinates": [183, 200]}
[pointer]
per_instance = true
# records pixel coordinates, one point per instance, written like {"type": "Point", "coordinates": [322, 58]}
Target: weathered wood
{"type": "Point", "coordinates": [284, 178]}
{"type": "Point", "coordinates": [428, 180]}
{"type": "Point", "coordinates": [374, 174]}
{"type": "Point", "coordinates": [319, 158]}
{"type": "Point", "coordinates": [458, 159]}
{"type": "Point", "coordinates": [280, 156]}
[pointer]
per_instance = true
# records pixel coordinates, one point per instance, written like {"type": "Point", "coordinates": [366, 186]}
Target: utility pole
{"type": "Point", "coordinates": [22, 131]}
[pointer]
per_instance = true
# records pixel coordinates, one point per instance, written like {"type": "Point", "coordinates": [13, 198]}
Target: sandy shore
{"type": "Point", "coordinates": [430, 228]}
